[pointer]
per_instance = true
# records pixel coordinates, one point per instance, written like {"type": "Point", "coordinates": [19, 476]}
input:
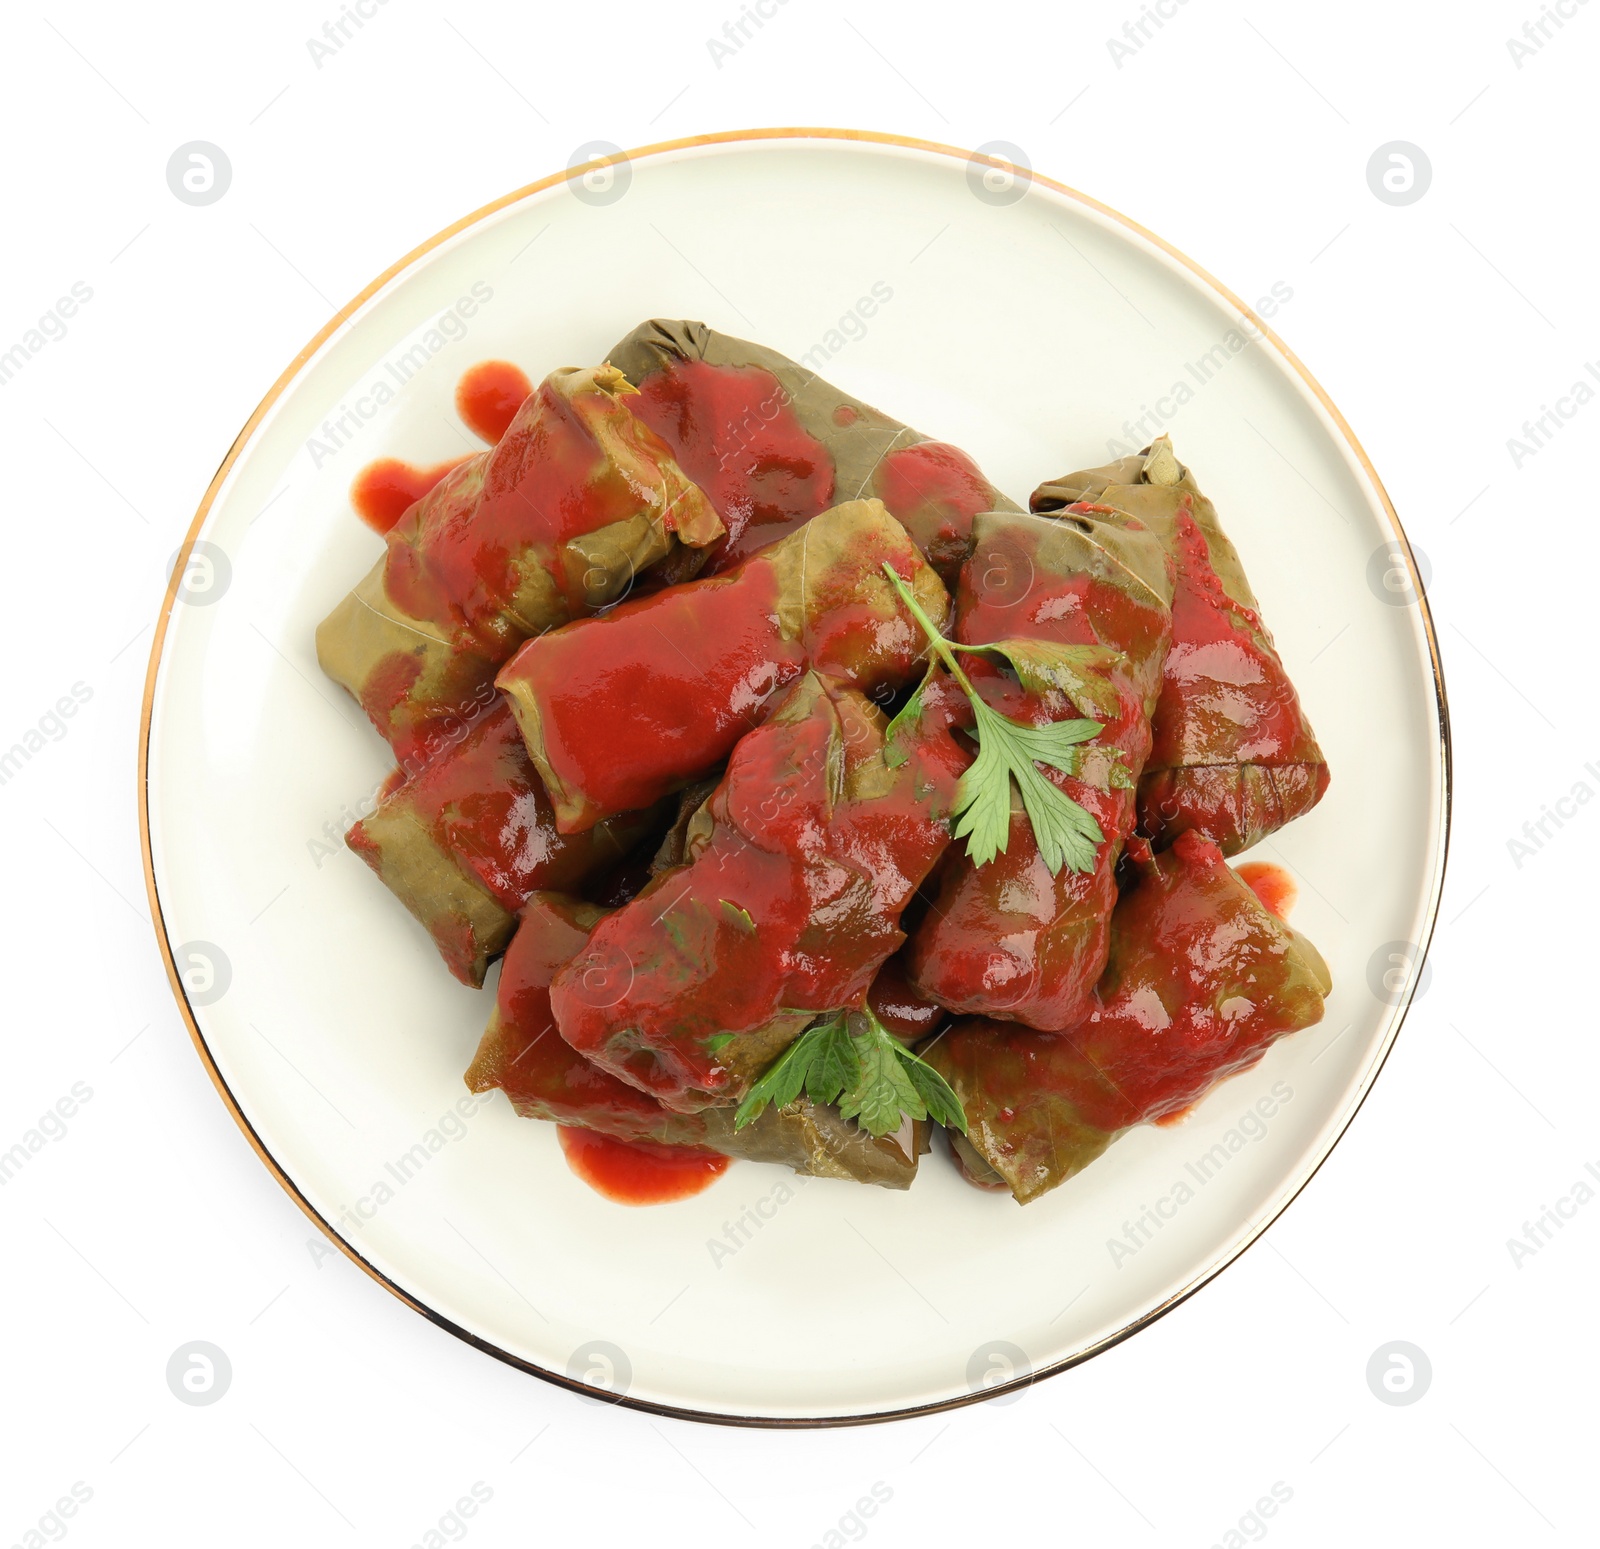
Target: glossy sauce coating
{"type": "Point", "coordinates": [660, 689]}
{"type": "Point", "coordinates": [1201, 980]}
{"type": "Point", "coordinates": [621, 710]}
{"type": "Point", "coordinates": [1233, 758]}
{"type": "Point", "coordinates": [425, 722]}
{"type": "Point", "coordinates": [934, 490]}
{"type": "Point", "coordinates": [459, 556]}
{"type": "Point", "coordinates": [736, 435]}
{"type": "Point", "coordinates": [735, 431]}
{"type": "Point", "coordinates": [478, 814]}
{"type": "Point", "coordinates": [652, 1156]}
{"type": "Point", "coordinates": [484, 804]}
{"type": "Point", "coordinates": [1008, 939]}
{"type": "Point", "coordinates": [788, 907]}
{"type": "Point", "coordinates": [904, 1011]}
{"type": "Point", "coordinates": [1219, 680]}
{"type": "Point", "coordinates": [523, 1054]}
{"type": "Point", "coordinates": [550, 524]}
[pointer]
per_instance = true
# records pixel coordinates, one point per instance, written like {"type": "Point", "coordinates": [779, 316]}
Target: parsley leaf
{"type": "Point", "coordinates": [737, 916]}
{"type": "Point", "coordinates": [1064, 831]}
{"type": "Point", "coordinates": [784, 1078]}
{"type": "Point", "coordinates": [853, 1060]}
{"type": "Point", "coordinates": [943, 1106]}
{"type": "Point", "coordinates": [1078, 671]}
{"type": "Point", "coordinates": [884, 1092]}
{"type": "Point", "coordinates": [894, 752]}
{"type": "Point", "coordinates": [1008, 750]}
{"type": "Point", "coordinates": [835, 1066]}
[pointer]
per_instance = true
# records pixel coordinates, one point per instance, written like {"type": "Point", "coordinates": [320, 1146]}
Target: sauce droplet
{"type": "Point", "coordinates": [1272, 885]}
{"type": "Point", "coordinates": [386, 489]}
{"type": "Point", "coordinates": [488, 397]}
{"type": "Point", "coordinates": [637, 1172]}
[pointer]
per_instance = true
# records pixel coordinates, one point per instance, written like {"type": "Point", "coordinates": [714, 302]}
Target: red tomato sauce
{"type": "Point", "coordinates": [636, 1172]}
{"type": "Point", "coordinates": [386, 489]}
{"type": "Point", "coordinates": [1009, 939]}
{"type": "Point", "coordinates": [461, 555]}
{"type": "Point", "coordinates": [488, 397]}
{"type": "Point", "coordinates": [1272, 885]}
{"type": "Point", "coordinates": [1217, 673]}
{"type": "Point", "coordinates": [734, 432]}
{"type": "Point", "coordinates": [487, 807]}
{"type": "Point", "coordinates": [934, 490]}
{"type": "Point", "coordinates": [774, 916]}
{"type": "Point", "coordinates": [911, 1017]}
{"type": "Point", "coordinates": [667, 685]}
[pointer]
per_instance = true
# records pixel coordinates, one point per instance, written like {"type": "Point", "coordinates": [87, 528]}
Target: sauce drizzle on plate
{"type": "Point", "coordinates": [636, 1172]}
{"type": "Point", "coordinates": [386, 489]}
{"type": "Point", "coordinates": [1272, 885]}
{"type": "Point", "coordinates": [488, 397]}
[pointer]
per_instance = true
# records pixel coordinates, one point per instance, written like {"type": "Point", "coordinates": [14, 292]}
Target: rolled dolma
{"type": "Point", "coordinates": [904, 1011]}
{"type": "Point", "coordinates": [798, 869]}
{"type": "Point", "coordinates": [773, 444]}
{"type": "Point", "coordinates": [621, 710]}
{"type": "Point", "coordinates": [551, 523]}
{"type": "Point", "coordinates": [1201, 980]}
{"type": "Point", "coordinates": [464, 842]}
{"type": "Point", "coordinates": [524, 1055]}
{"type": "Point", "coordinates": [1234, 756]}
{"type": "Point", "coordinates": [1008, 939]}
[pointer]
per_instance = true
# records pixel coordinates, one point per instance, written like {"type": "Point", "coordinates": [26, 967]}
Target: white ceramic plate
{"type": "Point", "coordinates": [1025, 331]}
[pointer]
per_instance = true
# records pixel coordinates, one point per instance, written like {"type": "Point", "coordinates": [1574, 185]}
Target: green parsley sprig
{"type": "Point", "coordinates": [851, 1059]}
{"type": "Point", "coordinates": [1066, 833]}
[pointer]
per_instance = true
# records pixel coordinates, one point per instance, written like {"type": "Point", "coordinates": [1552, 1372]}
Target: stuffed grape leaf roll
{"type": "Point", "coordinates": [551, 523]}
{"type": "Point", "coordinates": [798, 869]}
{"type": "Point", "coordinates": [465, 841]}
{"type": "Point", "coordinates": [1234, 757]}
{"type": "Point", "coordinates": [773, 444]}
{"type": "Point", "coordinates": [1201, 980]}
{"type": "Point", "coordinates": [1008, 938]}
{"type": "Point", "coordinates": [523, 1055]}
{"type": "Point", "coordinates": [621, 710]}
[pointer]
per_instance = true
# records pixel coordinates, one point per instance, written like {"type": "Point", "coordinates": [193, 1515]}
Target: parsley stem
{"type": "Point", "coordinates": [935, 635]}
{"type": "Point", "coordinates": [1010, 756]}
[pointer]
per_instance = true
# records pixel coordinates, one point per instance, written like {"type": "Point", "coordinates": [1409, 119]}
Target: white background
{"type": "Point", "coordinates": [1240, 136]}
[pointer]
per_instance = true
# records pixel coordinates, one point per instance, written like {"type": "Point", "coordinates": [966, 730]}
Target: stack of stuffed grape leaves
{"type": "Point", "coordinates": [815, 797]}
